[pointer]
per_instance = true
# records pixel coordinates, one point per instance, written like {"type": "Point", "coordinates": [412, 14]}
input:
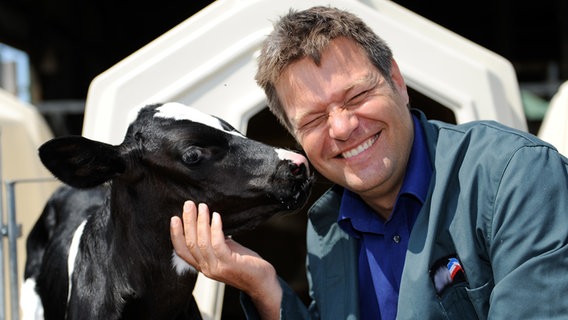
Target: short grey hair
{"type": "Point", "coordinates": [307, 33]}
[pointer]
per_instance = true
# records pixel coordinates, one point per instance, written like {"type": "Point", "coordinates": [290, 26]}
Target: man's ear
{"type": "Point", "coordinates": [398, 82]}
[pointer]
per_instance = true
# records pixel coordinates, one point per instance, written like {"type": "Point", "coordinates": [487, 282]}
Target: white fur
{"type": "Point", "coordinates": [30, 302]}
{"type": "Point", "coordinates": [292, 156]}
{"type": "Point", "coordinates": [180, 265]}
{"type": "Point", "coordinates": [73, 250]}
{"type": "Point", "coordinates": [178, 111]}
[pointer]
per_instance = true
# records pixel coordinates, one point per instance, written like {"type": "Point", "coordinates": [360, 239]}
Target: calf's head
{"type": "Point", "coordinates": [173, 153]}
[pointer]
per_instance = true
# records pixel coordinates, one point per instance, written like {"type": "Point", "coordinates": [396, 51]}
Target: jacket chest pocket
{"type": "Point", "coordinates": [456, 303]}
{"type": "Point", "coordinates": [461, 302]}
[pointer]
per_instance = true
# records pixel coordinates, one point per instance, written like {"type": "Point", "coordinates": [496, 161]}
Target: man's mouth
{"type": "Point", "coordinates": [360, 148]}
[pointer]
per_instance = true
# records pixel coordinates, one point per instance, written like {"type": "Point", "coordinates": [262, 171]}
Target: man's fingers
{"type": "Point", "coordinates": [178, 240]}
{"type": "Point", "coordinates": [209, 261]}
{"type": "Point", "coordinates": [189, 217]}
{"type": "Point", "coordinates": [198, 238]}
{"type": "Point", "coordinates": [218, 240]}
{"type": "Point", "coordinates": [203, 227]}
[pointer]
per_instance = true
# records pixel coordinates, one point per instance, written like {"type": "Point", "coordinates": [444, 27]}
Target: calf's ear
{"type": "Point", "coordinates": [81, 162]}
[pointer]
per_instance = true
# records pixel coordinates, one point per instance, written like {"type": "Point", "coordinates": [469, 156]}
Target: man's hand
{"type": "Point", "coordinates": [200, 241]}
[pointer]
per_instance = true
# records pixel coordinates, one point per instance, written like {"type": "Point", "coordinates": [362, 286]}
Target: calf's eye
{"type": "Point", "coordinates": [192, 156]}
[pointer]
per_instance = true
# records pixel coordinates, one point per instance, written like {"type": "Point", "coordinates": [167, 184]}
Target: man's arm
{"type": "Point", "coordinates": [529, 237]}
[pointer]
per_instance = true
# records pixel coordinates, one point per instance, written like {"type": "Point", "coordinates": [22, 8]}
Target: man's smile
{"type": "Point", "coordinates": [360, 148]}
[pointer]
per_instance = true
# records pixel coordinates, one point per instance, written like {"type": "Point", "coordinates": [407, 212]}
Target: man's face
{"type": "Point", "coordinates": [354, 127]}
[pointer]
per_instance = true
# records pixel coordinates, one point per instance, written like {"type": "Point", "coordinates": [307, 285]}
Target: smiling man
{"type": "Point", "coordinates": [427, 220]}
{"type": "Point", "coordinates": [353, 124]}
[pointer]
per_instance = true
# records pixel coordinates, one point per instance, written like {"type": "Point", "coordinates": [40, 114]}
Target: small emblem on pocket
{"type": "Point", "coordinates": [445, 272]}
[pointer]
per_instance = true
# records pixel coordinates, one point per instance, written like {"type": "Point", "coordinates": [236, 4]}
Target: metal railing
{"type": "Point", "coordinates": [18, 83]}
{"type": "Point", "coordinates": [12, 230]}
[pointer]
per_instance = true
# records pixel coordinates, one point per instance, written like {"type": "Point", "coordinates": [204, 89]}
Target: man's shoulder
{"type": "Point", "coordinates": [487, 133]}
{"type": "Point", "coordinates": [329, 201]}
{"type": "Point", "coordinates": [480, 144]}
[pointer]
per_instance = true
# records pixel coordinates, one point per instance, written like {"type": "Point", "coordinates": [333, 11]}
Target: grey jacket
{"type": "Point", "coordinates": [498, 200]}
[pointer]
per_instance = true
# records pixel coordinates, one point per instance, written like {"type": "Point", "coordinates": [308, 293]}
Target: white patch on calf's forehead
{"type": "Point", "coordinates": [178, 111]}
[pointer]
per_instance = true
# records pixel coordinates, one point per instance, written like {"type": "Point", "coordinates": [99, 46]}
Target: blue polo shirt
{"type": "Point", "coordinates": [383, 244]}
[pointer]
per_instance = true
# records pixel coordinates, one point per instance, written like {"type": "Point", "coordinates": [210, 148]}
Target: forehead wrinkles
{"type": "Point", "coordinates": [178, 111]}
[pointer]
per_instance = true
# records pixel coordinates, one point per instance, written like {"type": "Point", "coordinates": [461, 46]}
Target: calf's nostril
{"type": "Point", "coordinates": [295, 158]}
{"type": "Point", "coordinates": [297, 169]}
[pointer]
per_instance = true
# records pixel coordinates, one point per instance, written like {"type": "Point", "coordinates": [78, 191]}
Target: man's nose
{"type": "Point", "coordinates": [342, 122]}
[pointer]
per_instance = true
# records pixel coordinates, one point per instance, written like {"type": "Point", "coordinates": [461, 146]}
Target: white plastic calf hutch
{"type": "Point", "coordinates": [25, 187]}
{"type": "Point", "coordinates": [554, 128]}
{"type": "Point", "coordinates": [209, 62]}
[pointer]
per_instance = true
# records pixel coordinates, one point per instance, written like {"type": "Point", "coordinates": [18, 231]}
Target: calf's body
{"type": "Point", "coordinates": [101, 248]}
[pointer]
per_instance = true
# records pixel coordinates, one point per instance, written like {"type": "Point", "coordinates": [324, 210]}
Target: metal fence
{"type": "Point", "coordinates": [11, 230]}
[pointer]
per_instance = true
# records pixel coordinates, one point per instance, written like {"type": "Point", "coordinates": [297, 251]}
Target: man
{"type": "Point", "coordinates": [427, 220]}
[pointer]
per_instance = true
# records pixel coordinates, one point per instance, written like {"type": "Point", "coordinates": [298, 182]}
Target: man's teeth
{"type": "Point", "coordinates": [362, 147]}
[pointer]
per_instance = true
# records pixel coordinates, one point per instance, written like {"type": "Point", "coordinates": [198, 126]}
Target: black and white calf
{"type": "Point", "coordinates": [101, 248]}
